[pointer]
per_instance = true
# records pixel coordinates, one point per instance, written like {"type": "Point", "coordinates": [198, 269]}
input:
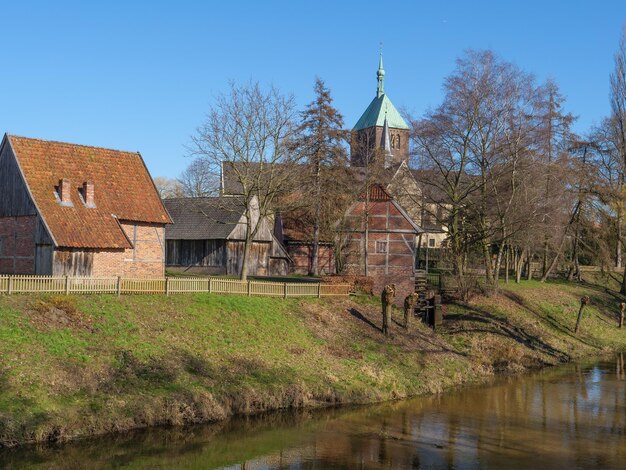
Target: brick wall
{"type": "Point", "coordinates": [17, 245]}
{"type": "Point", "coordinates": [393, 267]}
{"type": "Point", "coordinates": [373, 136]}
{"type": "Point", "coordinates": [145, 260]}
{"type": "Point", "coordinates": [302, 255]}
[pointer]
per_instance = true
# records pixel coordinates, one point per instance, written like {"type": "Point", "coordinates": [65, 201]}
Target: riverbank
{"type": "Point", "coordinates": [78, 366]}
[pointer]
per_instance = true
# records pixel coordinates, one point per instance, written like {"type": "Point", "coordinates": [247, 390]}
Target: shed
{"type": "Point", "coordinates": [208, 236]}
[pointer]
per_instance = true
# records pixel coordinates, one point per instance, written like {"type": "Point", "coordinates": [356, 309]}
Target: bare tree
{"type": "Point", "coordinates": [168, 187]}
{"type": "Point", "coordinates": [609, 155]}
{"type": "Point", "coordinates": [553, 139]}
{"type": "Point", "coordinates": [198, 181]}
{"type": "Point", "coordinates": [248, 138]}
{"type": "Point", "coordinates": [618, 122]}
{"type": "Point", "coordinates": [482, 151]}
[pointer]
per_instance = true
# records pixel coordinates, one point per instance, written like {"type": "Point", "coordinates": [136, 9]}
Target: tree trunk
{"type": "Point", "coordinates": [552, 265]}
{"type": "Point", "coordinates": [529, 267]}
{"type": "Point", "coordinates": [314, 270]}
{"type": "Point", "coordinates": [244, 263]}
{"type": "Point", "coordinates": [544, 264]}
{"type": "Point", "coordinates": [496, 270]}
{"type": "Point", "coordinates": [488, 264]}
{"type": "Point", "coordinates": [519, 266]}
{"type": "Point", "coordinates": [618, 245]}
{"type": "Point", "coordinates": [506, 266]}
{"type": "Point", "coordinates": [561, 243]}
{"type": "Point", "coordinates": [623, 288]}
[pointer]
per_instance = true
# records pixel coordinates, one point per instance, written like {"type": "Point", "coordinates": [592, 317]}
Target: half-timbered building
{"type": "Point", "coordinates": [380, 241]}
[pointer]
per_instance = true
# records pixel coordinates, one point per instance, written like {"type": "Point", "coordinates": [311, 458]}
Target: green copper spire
{"type": "Point", "coordinates": [381, 107]}
{"type": "Point", "coordinates": [380, 74]}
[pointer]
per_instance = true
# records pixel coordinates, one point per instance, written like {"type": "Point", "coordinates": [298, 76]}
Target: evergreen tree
{"type": "Point", "coordinates": [322, 144]}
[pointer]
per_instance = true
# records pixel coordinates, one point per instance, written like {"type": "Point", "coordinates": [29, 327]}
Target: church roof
{"type": "Point", "coordinates": [381, 107]}
{"type": "Point", "coordinates": [374, 115]}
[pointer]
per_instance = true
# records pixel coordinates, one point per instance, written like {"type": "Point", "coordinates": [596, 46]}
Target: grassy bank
{"type": "Point", "coordinates": [77, 366]}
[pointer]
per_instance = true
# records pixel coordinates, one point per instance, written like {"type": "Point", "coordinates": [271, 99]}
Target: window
{"type": "Point", "coordinates": [395, 141]}
{"type": "Point", "coordinates": [381, 247]}
{"type": "Point", "coordinates": [431, 242]}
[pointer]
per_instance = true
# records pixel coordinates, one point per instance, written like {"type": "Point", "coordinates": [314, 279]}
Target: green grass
{"type": "Point", "coordinates": [90, 364]}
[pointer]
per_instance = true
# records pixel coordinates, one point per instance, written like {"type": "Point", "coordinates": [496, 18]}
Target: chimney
{"type": "Point", "coordinates": [65, 194]}
{"type": "Point", "coordinates": [88, 194]}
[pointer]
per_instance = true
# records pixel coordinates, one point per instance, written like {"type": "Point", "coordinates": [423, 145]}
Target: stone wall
{"type": "Point", "coordinates": [17, 245]}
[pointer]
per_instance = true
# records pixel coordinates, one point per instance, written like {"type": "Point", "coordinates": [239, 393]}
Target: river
{"type": "Point", "coordinates": [572, 416]}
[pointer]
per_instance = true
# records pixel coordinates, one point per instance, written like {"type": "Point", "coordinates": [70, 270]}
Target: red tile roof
{"type": "Point", "coordinates": [123, 190]}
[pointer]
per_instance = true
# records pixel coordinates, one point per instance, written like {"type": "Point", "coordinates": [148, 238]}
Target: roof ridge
{"type": "Point", "coordinates": [195, 198]}
{"type": "Point", "coordinates": [72, 144]}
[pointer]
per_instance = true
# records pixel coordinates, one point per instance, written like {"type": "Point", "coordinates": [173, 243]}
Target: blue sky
{"type": "Point", "coordinates": [141, 75]}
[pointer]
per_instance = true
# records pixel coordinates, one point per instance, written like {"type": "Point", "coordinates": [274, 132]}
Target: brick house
{"type": "Point", "coordinates": [76, 210]}
{"type": "Point", "coordinates": [380, 242]}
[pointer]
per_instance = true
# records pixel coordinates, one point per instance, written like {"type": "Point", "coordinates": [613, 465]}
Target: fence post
{"type": "Point", "coordinates": [210, 285]}
{"type": "Point", "coordinates": [10, 286]}
{"type": "Point", "coordinates": [319, 290]}
{"type": "Point", "coordinates": [119, 286]}
{"type": "Point", "coordinates": [249, 288]}
{"type": "Point", "coordinates": [285, 287]}
{"type": "Point", "coordinates": [167, 286]}
{"type": "Point", "coordinates": [67, 285]}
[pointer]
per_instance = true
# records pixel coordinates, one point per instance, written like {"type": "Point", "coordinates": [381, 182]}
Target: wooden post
{"type": "Point", "coordinates": [210, 285]}
{"type": "Point", "coordinates": [249, 288]}
{"type": "Point", "coordinates": [167, 286]}
{"type": "Point", "coordinates": [67, 285]}
{"type": "Point", "coordinates": [583, 303]}
{"type": "Point", "coordinates": [285, 289]}
{"type": "Point", "coordinates": [119, 286]}
{"type": "Point", "coordinates": [319, 290]}
{"type": "Point", "coordinates": [10, 286]}
{"type": "Point", "coordinates": [437, 312]}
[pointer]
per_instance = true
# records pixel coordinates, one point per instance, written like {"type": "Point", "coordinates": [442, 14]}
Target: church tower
{"type": "Point", "coordinates": [380, 130]}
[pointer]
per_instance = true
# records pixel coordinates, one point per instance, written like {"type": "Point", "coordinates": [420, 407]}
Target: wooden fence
{"type": "Point", "coordinates": [169, 285]}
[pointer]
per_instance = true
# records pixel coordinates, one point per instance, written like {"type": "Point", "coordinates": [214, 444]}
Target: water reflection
{"type": "Point", "coordinates": [571, 417]}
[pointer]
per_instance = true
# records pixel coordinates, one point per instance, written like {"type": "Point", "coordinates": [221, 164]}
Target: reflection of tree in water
{"type": "Point", "coordinates": [571, 417]}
